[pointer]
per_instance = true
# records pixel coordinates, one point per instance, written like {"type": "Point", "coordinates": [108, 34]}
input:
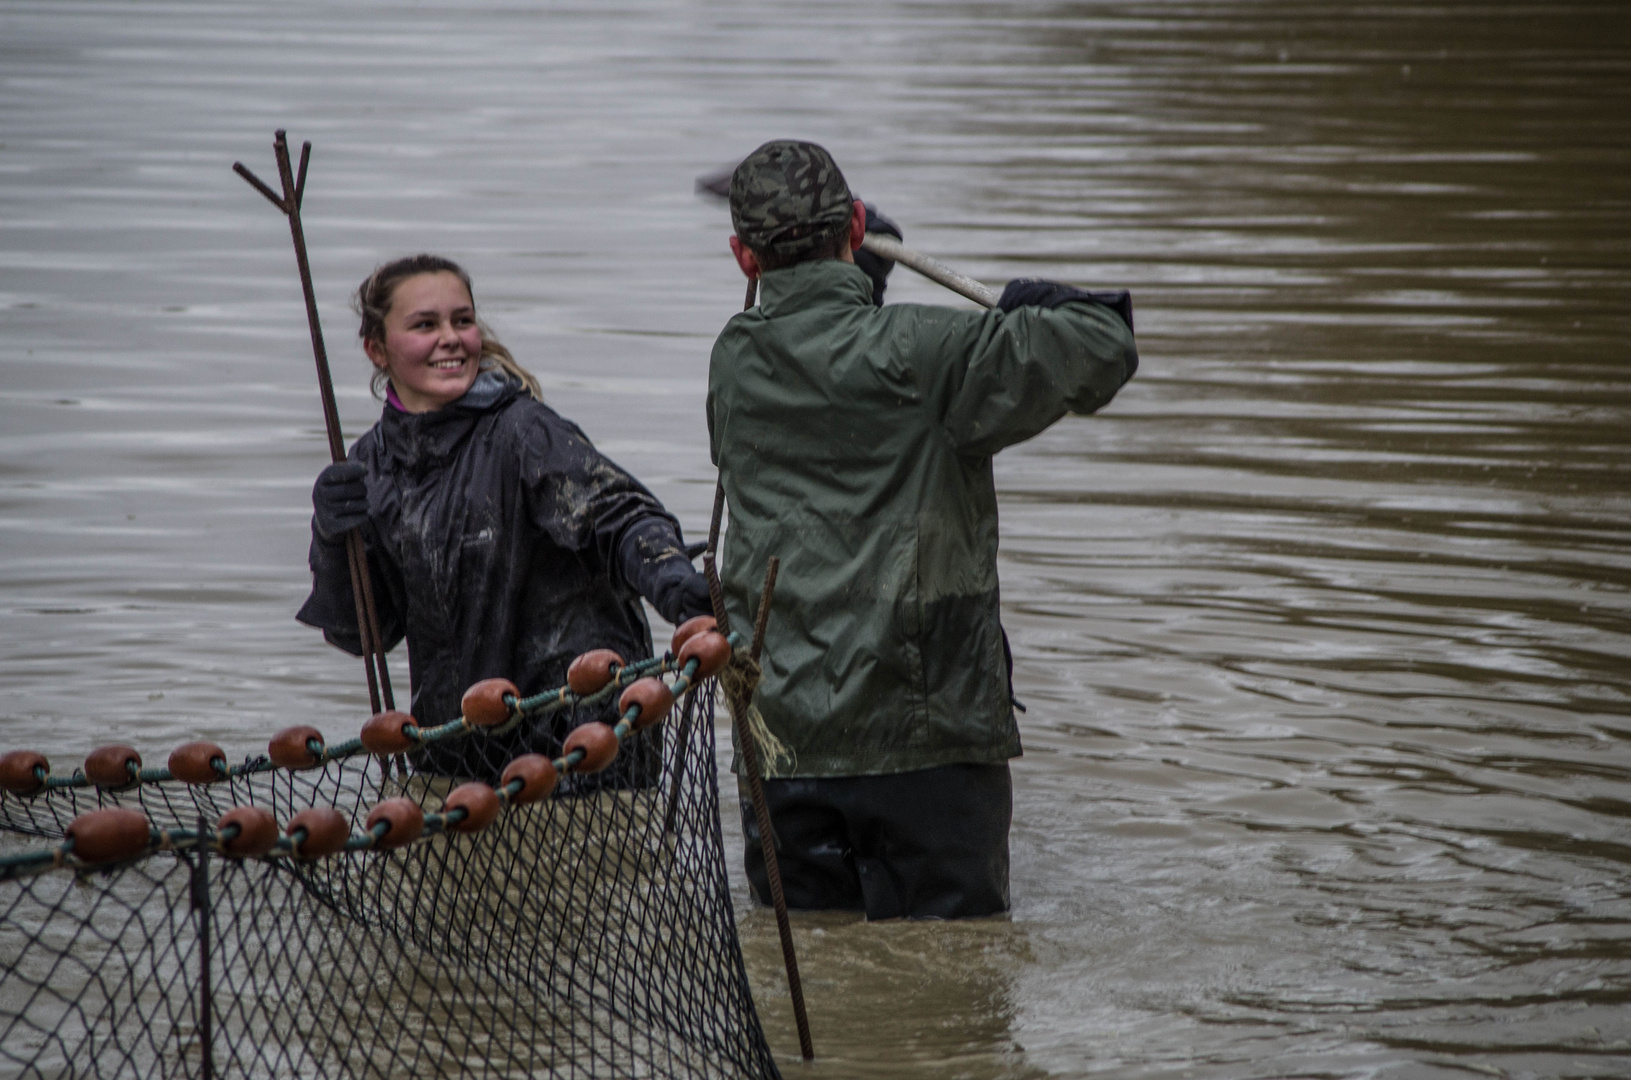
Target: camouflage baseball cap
{"type": "Point", "coordinates": [789, 197]}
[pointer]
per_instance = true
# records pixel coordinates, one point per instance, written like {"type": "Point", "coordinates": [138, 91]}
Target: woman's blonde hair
{"type": "Point", "coordinates": [373, 301]}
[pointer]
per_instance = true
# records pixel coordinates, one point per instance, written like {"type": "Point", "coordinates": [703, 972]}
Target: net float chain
{"type": "Point", "coordinates": [386, 733]}
{"type": "Point", "coordinates": [651, 697]}
{"type": "Point", "coordinates": [109, 835]}
{"type": "Point", "coordinates": [536, 774]}
{"type": "Point", "coordinates": [298, 747]}
{"type": "Point", "coordinates": [23, 772]}
{"type": "Point", "coordinates": [403, 820]}
{"type": "Point", "coordinates": [318, 831]}
{"type": "Point", "coordinates": [199, 763]}
{"type": "Point", "coordinates": [489, 703]}
{"type": "Point", "coordinates": [116, 834]}
{"type": "Point", "coordinates": [479, 802]}
{"type": "Point", "coordinates": [113, 766]}
{"type": "Point", "coordinates": [593, 671]}
{"type": "Point", "coordinates": [699, 639]}
{"type": "Point", "coordinates": [597, 741]}
{"type": "Point", "coordinates": [257, 832]}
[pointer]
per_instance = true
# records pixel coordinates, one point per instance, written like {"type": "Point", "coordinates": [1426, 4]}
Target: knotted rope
{"type": "Point", "coordinates": [740, 681]}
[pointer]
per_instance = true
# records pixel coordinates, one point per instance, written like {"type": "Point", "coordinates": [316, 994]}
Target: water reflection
{"type": "Point", "coordinates": [899, 999]}
{"type": "Point", "coordinates": [1323, 625]}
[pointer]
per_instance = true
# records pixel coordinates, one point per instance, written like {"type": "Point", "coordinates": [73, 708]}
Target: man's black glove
{"type": "Point", "coordinates": [679, 593]}
{"type": "Point", "coordinates": [1035, 292]}
{"type": "Point", "coordinates": [340, 500]}
{"type": "Point", "coordinates": [877, 269]}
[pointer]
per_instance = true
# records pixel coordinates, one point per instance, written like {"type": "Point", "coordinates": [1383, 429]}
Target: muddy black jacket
{"type": "Point", "coordinates": [502, 544]}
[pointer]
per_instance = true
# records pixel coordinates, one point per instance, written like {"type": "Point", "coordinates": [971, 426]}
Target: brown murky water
{"type": "Point", "coordinates": [1324, 625]}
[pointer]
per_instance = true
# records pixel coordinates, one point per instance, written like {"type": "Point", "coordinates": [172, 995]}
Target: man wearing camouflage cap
{"type": "Point", "coordinates": [855, 442]}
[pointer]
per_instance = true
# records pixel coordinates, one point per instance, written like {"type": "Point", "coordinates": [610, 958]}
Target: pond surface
{"type": "Point", "coordinates": [1323, 625]}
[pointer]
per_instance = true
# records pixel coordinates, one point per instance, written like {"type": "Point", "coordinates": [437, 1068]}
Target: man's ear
{"type": "Point", "coordinates": [745, 257]}
{"type": "Point", "coordinates": [857, 225]}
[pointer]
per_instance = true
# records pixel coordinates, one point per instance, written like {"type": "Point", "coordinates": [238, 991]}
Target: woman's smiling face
{"type": "Point", "coordinates": [432, 345]}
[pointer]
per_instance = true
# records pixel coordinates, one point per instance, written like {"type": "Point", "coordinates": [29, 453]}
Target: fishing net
{"type": "Point", "coordinates": [588, 934]}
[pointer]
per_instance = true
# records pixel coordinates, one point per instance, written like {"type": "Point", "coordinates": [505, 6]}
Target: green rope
{"type": "Point", "coordinates": [28, 863]}
{"type": "Point", "coordinates": [562, 697]}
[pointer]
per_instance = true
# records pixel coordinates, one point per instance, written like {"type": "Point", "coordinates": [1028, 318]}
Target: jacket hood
{"type": "Point", "coordinates": [420, 440]}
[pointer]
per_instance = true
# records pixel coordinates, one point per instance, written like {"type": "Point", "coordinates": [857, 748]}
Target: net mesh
{"type": "Point", "coordinates": [590, 934]}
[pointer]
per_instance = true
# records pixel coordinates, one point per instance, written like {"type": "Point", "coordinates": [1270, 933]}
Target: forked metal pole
{"type": "Point", "coordinates": [362, 585]}
{"type": "Point", "coordinates": [761, 809]}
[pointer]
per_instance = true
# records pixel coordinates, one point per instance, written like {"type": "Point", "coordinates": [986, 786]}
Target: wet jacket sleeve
{"type": "Point", "coordinates": [586, 503]}
{"type": "Point", "coordinates": [1007, 376]}
{"type": "Point", "coordinates": [332, 608]}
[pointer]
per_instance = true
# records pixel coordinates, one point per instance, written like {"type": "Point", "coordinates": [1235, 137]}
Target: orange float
{"type": "Point", "coordinates": [257, 832]}
{"type": "Point", "coordinates": [651, 696]}
{"type": "Point", "coordinates": [405, 819]}
{"type": "Point", "coordinates": [537, 775]}
{"type": "Point", "coordinates": [23, 772]}
{"type": "Point", "coordinates": [597, 741]}
{"type": "Point", "coordinates": [289, 750]}
{"type": "Point", "coordinates": [383, 734]}
{"type": "Point", "coordinates": [689, 629]}
{"type": "Point", "coordinates": [198, 763]}
{"type": "Point", "coordinates": [327, 831]}
{"type": "Point", "coordinates": [109, 835]}
{"type": "Point", "coordinates": [479, 803]}
{"type": "Point", "coordinates": [592, 671]}
{"type": "Point", "coordinates": [113, 766]}
{"type": "Point", "coordinates": [483, 705]}
{"type": "Point", "coordinates": [711, 651]}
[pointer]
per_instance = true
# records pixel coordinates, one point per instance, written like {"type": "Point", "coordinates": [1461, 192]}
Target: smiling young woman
{"type": "Point", "coordinates": [502, 543]}
{"type": "Point", "coordinates": [429, 346]}
{"type": "Point", "coordinates": [426, 286]}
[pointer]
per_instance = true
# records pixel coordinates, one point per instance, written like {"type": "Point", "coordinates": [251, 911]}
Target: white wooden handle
{"type": "Point", "coordinates": [887, 247]}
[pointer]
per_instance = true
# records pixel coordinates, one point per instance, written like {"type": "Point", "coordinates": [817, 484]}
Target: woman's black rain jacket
{"type": "Point", "coordinates": [502, 544]}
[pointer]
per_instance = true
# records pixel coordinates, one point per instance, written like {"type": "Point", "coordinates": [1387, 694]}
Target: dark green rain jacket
{"type": "Point", "coordinates": [855, 442]}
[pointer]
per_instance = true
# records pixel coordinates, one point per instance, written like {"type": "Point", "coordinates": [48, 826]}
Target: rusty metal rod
{"type": "Point", "coordinates": [767, 837]}
{"type": "Point", "coordinates": [764, 606]}
{"type": "Point", "coordinates": [361, 581]}
{"type": "Point", "coordinates": [356, 563]}
{"type": "Point", "coordinates": [716, 592]}
{"type": "Point", "coordinates": [362, 589]}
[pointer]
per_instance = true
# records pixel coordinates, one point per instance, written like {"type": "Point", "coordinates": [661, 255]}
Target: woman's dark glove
{"type": "Point", "coordinates": [1035, 292]}
{"type": "Point", "coordinates": [679, 593]}
{"type": "Point", "coordinates": [340, 500]}
{"type": "Point", "coordinates": [877, 268]}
